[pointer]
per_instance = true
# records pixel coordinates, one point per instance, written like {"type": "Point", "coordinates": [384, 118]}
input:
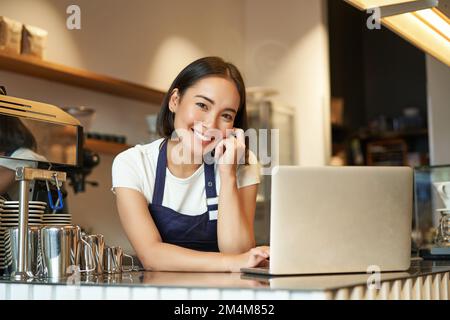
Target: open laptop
{"type": "Point", "coordinates": [339, 220]}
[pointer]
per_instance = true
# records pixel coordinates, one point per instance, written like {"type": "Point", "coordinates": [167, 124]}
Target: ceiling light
{"type": "Point", "coordinates": [424, 23]}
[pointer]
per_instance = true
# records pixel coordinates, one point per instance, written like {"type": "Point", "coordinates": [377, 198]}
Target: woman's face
{"type": "Point", "coordinates": [205, 113]}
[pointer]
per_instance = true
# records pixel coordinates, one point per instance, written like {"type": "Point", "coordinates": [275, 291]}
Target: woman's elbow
{"type": "Point", "coordinates": [151, 264]}
{"type": "Point", "coordinates": [149, 259]}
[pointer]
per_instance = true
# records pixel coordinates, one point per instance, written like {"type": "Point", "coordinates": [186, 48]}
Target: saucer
{"type": "Point", "coordinates": [17, 212]}
{"type": "Point", "coordinates": [40, 203]}
{"type": "Point", "coordinates": [31, 206]}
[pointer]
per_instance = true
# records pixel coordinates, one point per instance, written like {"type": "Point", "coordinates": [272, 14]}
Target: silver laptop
{"type": "Point", "coordinates": [339, 220]}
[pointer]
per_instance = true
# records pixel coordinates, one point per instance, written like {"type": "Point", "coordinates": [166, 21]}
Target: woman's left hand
{"type": "Point", "coordinates": [230, 151]}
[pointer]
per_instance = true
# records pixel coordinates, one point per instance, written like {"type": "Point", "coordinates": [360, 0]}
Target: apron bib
{"type": "Point", "coordinates": [193, 232]}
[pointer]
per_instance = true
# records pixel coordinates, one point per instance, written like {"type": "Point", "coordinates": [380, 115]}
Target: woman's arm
{"type": "Point", "coordinates": [236, 207]}
{"type": "Point", "coordinates": [158, 256]}
{"type": "Point", "coordinates": [7, 178]}
{"type": "Point", "coordinates": [236, 214]}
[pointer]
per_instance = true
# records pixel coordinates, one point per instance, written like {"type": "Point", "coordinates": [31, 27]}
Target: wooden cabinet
{"type": "Point", "coordinates": [387, 153]}
{"type": "Point", "coordinates": [402, 148]}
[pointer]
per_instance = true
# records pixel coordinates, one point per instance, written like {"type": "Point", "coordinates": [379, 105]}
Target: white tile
{"type": "Point", "coordinates": [117, 293]}
{"type": "Point", "coordinates": [173, 294]}
{"type": "Point", "coordinates": [204, 294]}
{"type": "Point", "coordinates": [3, 290]}
{"type": "Point", "coordinates": [271, 295]}
{"type": "Point", "coordinates": [144, 293]}
{"type": "Point", "coordinates": [20, 291]}
{"type": "Point", "coordinates": [308, 295]}
{"type": "Point", "coordinates": [42, 292]}
{"type": "Point", "coordinates": [243, 294]}
{"type": "Point", "coordinates": [65, 292]}
{"type": "Point", "coordinates": [91, 293]}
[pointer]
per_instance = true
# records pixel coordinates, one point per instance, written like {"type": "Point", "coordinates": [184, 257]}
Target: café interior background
{"type": "Point", "coordinates": [283, 45]}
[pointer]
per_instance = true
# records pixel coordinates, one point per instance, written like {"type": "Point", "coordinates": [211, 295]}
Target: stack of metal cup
{"type": "Point", "coordinates": [9, 219]}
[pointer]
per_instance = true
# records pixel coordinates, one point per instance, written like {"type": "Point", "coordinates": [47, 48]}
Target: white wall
{"type": "Point", "coordinates": [438, 84]}
{"type": "Point", "coordinates": [282, 44]}
{"type": "Point", "coordinates": [144, 41]}
{"type": "Point", "coordinates": [287, 49]}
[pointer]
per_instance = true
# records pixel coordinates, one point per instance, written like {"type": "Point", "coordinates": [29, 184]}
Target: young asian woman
{"type": "Point", "coordinates": [182, 214]}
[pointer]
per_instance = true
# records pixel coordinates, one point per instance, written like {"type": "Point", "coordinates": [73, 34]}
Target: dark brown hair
{"type": "Point", "coordinates": [195, 71]}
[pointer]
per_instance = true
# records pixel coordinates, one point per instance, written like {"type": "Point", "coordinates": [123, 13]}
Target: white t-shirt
{"type": "Point", "coordinates": [13, 164]}
{"type": "Point", "coordinates": [135, 168]}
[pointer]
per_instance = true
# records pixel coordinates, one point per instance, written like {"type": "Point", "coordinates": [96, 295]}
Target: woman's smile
{"type": "Point", "coordinates": [205, 139]}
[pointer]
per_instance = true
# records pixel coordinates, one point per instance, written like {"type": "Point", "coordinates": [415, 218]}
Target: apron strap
{"type": "Point", "coordinates": [160, 180]}
{"type": "Point", "coordinates": [212, 200]}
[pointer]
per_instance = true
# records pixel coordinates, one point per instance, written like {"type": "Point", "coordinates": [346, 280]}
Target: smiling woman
{"type": "Point", "coordinates": [201, 120]}
{"type": "Point", "coordinates": [180, 211]}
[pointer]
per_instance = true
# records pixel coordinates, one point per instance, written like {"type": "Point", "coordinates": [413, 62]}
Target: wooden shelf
{"type": "Point", "coordinates": [101, 146]}
{"type": "Point", "coordinates": [77, 77]}
{"type": "Point", "coordinates": [395, 134]}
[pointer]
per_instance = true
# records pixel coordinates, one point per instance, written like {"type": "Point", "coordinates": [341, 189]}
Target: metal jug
{"type": "Point", "coordinates": [61, 250]}
{"type": "Point", "coordinates": [34, 257]}
{"type": "Point", "coordinates": [97, 244]}
{"type": "Point", "coordinates": [113, 260]}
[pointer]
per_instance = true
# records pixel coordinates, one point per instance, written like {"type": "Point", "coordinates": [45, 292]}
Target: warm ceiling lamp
{"type": "Point", "coordinates": [425, 23]}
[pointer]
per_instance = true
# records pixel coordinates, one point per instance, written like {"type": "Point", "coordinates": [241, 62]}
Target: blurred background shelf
{"type": "Point", "coordinates": [105, 146]}
{"type": "Point", "coordinates": [394, 134]}
{"type": "Point", "coordinates": [78, 77]}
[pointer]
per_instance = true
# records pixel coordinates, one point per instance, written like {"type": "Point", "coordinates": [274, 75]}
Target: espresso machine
{"type": "Point", "coordinates": [57, 143]}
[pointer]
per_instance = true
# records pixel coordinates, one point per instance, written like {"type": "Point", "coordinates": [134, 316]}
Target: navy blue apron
{"type": "Point", "coordinates": [194, 232]}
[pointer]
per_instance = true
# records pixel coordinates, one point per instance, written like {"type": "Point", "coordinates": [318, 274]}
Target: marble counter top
{"type": "Point", "coordinates": [307, 283]}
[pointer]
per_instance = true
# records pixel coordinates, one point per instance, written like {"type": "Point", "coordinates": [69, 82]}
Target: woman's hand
{"type": "Point", "coordinates": [255, 257]}
{"type": "Point", "coordinates": [230, 151]}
